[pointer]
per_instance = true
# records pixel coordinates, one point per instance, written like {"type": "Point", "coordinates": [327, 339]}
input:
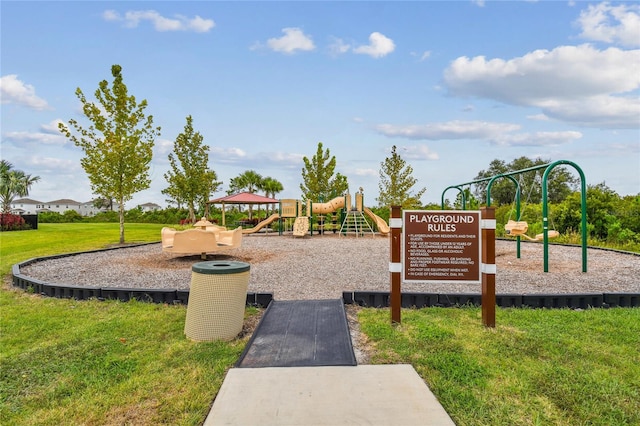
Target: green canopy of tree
{"type": "Point", "coordinates": [560, 182]}
{"type": "Point", "coordinates": [249, 181]}
{"type": "Point", "coordinates": [319, 183]}
{"type": "Point", "coordinates": [395, 183]}
{"type": "Point", "coordinates": [190, 179]}
{"type": "Point", "coordinates": [271, 187]}
{"type": "Point", "coordinates": [13, 183]}
{"type": "Point", "coordinates": [118, 144]}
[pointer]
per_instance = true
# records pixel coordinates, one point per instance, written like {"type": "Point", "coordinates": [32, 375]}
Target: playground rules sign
{"type": "Point", "coordinates": [441, 245]}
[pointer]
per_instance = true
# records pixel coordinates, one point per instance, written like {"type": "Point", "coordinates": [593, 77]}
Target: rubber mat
{"type": "Point", "coordinates": [300, 333]}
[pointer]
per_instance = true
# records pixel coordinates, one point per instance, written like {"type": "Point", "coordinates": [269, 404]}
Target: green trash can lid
{"type": "Point", "coordinates": [220, 267]}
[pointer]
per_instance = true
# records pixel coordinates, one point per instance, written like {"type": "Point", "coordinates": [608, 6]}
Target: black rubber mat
{"type": "Point", "coordinates": [300, 333]}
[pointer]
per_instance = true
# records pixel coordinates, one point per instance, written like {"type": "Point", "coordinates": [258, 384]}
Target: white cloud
{"type": "Point", "coordinates": [379, 46]}
{"type": "Point", "coordinates": [338, 46]}
{"type": "Point", "coordinates": [50, 164]}
{"type": "Point", "coordinates": [52, 127]}
{"type": "Point", "coordinates": [537, 138]}
{"type": "Point", "coordinates": [366, 172]}
{"type": "Point", "coordinates": [538, 117]}
{"type": "Point", "coordinates": [14, 91]}
{"type": "Point", "coordinates": [45, 138]}
{"type": "Point", "coordinates": [226, 155]}
{"type": "Point", "coordinates": [131, 19]}
{"type": "Point", "coordinates": [417, 152]}
{"type": "Point", "coordinates": [578, 84]}
{"type": "Point", "coordinates": [163, 147]}
{"type": "Point", "coordinates": [292, 41]}
{"type": "Point", "coordinates": [611, 24]}
{"type": "Point", "coordinates": [448, 130]}
{"type": "Point", "coordinates": [495, 133]}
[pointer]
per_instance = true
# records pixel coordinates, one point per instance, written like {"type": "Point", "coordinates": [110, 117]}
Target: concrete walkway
{"type": "Point", "coordinates": [382, 395]}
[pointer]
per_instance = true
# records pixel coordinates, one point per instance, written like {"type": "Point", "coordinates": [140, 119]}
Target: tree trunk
{"type": "Point", "coordinates": [192, 214]}
{"type": "Point", "coordinates": [121, 214]}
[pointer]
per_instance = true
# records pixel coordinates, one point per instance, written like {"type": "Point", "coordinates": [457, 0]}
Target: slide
{"type": "Point", "coordinates": [383, 226]}
{"type": "Point", "coordinates": [262, 224]}
{"type": "Point", "coordinates": [330, 207]}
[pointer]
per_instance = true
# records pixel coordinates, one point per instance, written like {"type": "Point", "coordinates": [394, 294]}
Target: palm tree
{"type": "Point", "coordinates": [13, 183]}
{"type": "Point", "coordinates": [249, 181]}
{"type": "Point", "coordinates": [271, 187]}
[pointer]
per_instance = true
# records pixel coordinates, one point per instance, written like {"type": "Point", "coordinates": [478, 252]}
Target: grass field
{"type": "Point", "coordinates": [114, 363]}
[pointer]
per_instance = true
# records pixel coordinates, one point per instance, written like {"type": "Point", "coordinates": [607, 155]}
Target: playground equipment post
{"type": "Point", "coordinates": [395, 264]}
{"type": "Point", "coordinates": [488, 299]}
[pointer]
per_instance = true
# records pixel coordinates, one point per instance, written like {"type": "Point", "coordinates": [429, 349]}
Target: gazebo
{"type": "Point", "coordinates": [248, 198]}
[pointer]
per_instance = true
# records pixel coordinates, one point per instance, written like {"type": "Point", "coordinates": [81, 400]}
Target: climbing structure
{"type": "Point", "coordinates": [354, 222]}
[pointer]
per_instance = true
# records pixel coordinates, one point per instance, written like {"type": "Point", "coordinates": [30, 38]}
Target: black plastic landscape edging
{"type": "Point", "coordinates": [378, 299]}
{"type": "Point", "coordinates": [63, 291]}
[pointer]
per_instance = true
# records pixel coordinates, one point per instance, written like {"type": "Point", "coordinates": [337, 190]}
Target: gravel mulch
{"type": "Point", "coordinates": [322, 267]}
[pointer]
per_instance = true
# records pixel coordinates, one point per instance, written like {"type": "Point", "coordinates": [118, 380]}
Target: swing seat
{"type": "Point", "coordinates": [516, 228]}
{"type": "Point", "coordinates": [551, 234]}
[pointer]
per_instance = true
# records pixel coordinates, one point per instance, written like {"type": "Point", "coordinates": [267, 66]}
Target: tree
{"type": "Point", "coordinates": [118, 145]}
{"type": "Point", "coordinates": [319, 183]}
{"type": "Point", "coordinates": [249, 181]}
{"type": "Point", "coordinates": [13, 183]}
{"type": "Point", "coordinates": [271, 187]}
{"type": "Point", "coordinates": [560, 182]}
{"type": "Point", "coordinates": [190, 180]}
{"type": "Point", "coordinates": [396, 181]}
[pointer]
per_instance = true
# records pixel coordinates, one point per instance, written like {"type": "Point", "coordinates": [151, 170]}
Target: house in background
{"type": "Point", "coordinates": [149, 207]}
{"type": "Point", "coordinates": [24, 206]}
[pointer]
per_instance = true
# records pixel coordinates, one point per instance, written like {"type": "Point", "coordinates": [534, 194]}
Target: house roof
{"type": "Point", "coordinates": [244, 198]}
{"type": "Point", "coordinates": [26, 201]}
{"type": "Point", "coordinates": [63, 201]}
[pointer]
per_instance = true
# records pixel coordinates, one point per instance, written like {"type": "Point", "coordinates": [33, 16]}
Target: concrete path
{"type": "Point", "coordinates": [382, 395]}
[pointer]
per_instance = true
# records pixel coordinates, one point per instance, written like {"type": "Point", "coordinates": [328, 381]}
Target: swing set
{"type": "Point", "coordinates": [518, 228]}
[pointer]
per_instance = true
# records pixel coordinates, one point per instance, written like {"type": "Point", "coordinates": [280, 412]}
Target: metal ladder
{"type": "Point", "coordinates": [355, 223]}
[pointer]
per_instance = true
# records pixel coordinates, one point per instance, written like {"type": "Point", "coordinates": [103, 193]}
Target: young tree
{"type": "Point", "coordinates": [13, 183]}
{"type": "Point", "coordinates": [319, 183]}
{"type": "Point", "coordinates": [118, 145]}
{"type": "Point", "coordinates": [396, 181]}
{"type": "Point", "coordinates": [190, 179]}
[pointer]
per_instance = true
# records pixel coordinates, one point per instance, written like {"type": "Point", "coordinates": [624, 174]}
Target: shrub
{"type": "Point", "coordinates": [12, 222]}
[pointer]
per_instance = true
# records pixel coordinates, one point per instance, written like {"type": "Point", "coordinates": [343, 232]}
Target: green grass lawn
{"type": "Point", "coordinates": [537, 367]}
{"type": "Point", "coordinates": [114, 363]}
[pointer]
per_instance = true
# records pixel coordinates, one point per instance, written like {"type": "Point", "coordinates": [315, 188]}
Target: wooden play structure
{"type": "Point", "coordinates": [205, 238]}
{"type": "Point", "coordinates": [298, 217]}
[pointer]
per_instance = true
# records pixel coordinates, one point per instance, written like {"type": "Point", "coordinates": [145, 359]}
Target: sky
{"type": "Point", "coordinates": [453, 85]}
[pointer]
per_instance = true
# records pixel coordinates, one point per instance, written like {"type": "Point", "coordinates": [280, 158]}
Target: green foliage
{"type": "Point", "coordinates": [70, 216]}
{"type": "Point", "coordinates": [117, 144]}
{"type": "Point", "coordinates": [395, 184]}
{"type": "Point", "coordinates": [13, 183]}
{"type": "Point", "coordinates": [12, 222]}
{"type": "Point", "coordinates": [249, 181]}
{"type": "Point", "coordinates": [319, 183]}
{"type": "Point", "coordinates": [560, 182]}
{"type": "Point", "coordinates": [190, 180]}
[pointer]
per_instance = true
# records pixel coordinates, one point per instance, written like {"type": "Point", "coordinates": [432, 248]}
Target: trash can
{"type": "Point", "coordinates": [217, 298]}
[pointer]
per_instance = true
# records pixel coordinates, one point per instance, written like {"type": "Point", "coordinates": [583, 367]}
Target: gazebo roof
{"type": "Point", "coordinates": [244, 198]}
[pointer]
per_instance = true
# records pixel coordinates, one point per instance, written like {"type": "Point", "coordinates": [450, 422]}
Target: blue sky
{"type": "Point", "coordinates": [454, 85]}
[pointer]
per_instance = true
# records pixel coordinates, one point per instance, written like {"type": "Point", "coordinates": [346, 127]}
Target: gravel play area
{"type": "Point", "coordinates": [322, 267]}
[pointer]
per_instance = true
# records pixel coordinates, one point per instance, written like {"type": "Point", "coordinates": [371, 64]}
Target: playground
{"type": "Point", "coordinates": [322, 267]}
